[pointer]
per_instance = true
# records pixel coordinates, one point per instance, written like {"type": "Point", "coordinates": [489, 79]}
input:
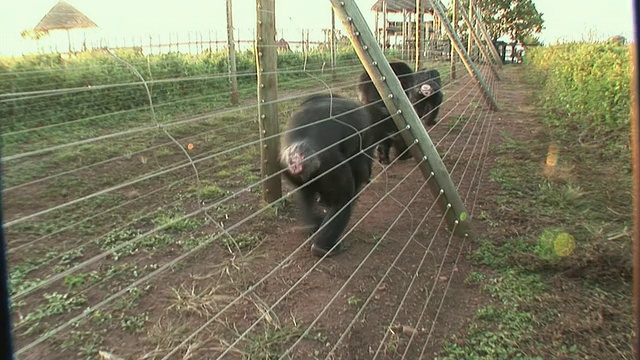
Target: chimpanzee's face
{"type": "Point", "coordinates": [426, 90]}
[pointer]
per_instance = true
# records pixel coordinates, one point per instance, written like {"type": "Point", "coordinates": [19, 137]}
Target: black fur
{"type": "Point", "coordinates": [335, 188]}
{"type": "Point", "coordinates": [427, 107]}
{"type": "Point", "coordinates": [368, 94]}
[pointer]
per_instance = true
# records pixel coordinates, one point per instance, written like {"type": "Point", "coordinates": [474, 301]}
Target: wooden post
{"type": "Point", "coordinates": [233, 78]}
{"type": "Point", "coordinates": [385, 23]}
{"type": "Point", "coordinates": [304, 51]}
{"type": "Point", "coordinates": [419, 19]}
{"type": "Point", "coordinates": [464, 56]}
{"type": "Point", "coordinates": [266, 67]}
{"type": "Point", "coordinates": [425, 39]}
{"type": "Point", "coordinates": [404, 33]}
{"type": "Point", "coordinates": [377, 26]}
{"type": "Point", "coordinates": [411, 49]}
{"type": "Point", "coordinates": [333, 44]}
{"type": "Point", "coordinates": [454, 11]}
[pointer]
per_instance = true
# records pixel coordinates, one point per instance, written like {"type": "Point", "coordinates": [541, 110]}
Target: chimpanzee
{"type": "Point", "coordinates": [367, 94]}
{"type": "Point", "coordinates": [427, 96]}
{"type": "Point", "coordinates": [338, 128]}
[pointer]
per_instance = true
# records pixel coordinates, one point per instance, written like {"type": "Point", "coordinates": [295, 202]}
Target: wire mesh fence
{"type": "Point", "coordinates": [136, 229]}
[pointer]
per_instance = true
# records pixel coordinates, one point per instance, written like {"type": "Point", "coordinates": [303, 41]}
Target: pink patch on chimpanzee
{"type": "Point", "coordinates": [295, 166]}
{"type": "Point", "coordinates": [426, 89]}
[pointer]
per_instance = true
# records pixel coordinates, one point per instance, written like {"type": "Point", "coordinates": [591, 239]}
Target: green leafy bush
{"type": "Point", "coordinates": [586, 87]}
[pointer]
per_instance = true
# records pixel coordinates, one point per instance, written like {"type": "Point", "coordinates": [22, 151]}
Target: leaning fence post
{"type": "Point", "coordinates": [464, 56]}
{"type": "Point", "coordinates": [404, 115]}
{"type": "Point", "coordinates": [476, 37]}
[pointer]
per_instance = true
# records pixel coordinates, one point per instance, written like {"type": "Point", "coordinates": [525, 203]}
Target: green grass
{"type": "Point", "coordinates": [241, 241]}
{"type": "Point", "coordinates": [270, 342]}
{"type": "Point", "coordinates": [176, 222]}
{"type": "Point", "coordinates": [86, 344]}
{"type": "Point", "coordinates": [54, 304]}
{"type": "Point", "coordinates": [458, 124]}
{"type": "Point", "coordinates": [208, 190]}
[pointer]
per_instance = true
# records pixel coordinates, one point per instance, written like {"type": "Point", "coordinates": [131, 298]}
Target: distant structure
{"type": "Point", "coordinates": [617, 39]}
{"type": "Point", "coordinates": [401, 34]}
{"type": "Point", "coordinates": [62, 16]}
{"type": "Point", "coordinates": [283, 46]}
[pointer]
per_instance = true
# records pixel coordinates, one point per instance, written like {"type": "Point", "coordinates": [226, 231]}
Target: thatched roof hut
{"type": "Point", "coordinates": [63, 16]}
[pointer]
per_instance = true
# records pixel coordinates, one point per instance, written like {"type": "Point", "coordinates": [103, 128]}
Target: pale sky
{"type": "Point", "coordinates": [564, 19]}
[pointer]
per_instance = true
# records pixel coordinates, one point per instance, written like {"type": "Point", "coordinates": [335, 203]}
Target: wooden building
{"type": "Point", "coordinates": [400, 34]}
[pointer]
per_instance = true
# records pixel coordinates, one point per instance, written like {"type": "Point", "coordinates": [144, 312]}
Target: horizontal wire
{"type": "Point", "coordinates": [431, 291]}
{"type": "Point", "coordinates": [152, 175]}
{"type": "Point", "coordinates": [384, 276]}
{"type": "Point", "coordinates": [164, 104]}
{"type": "Point", "coordinates": [146, 107]}
{"type": "Point", "coordinates": [286, 293]}
{"type": "Point", "coordinates": [172, 262]}
{"type": "Point", "coordinates": [71, 226]}
{"type": "Point", "coordinates": [278, 173]}
{"type": "Point", "coordinates": [125, 156]}
{"type": "Point", "coordinates": [284, 261]}
{"type": "Point", "coordinates": [144, 128]}
{"type": "Point", "coordinates": [136, 130]}
{"type": "Point", "coordinates": [141, 109]}
{"type": "Point", "coordinates": [28, 95]}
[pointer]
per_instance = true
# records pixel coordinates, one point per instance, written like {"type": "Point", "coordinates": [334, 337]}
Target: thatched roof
{"type": "Point", "coordinates": [399, 5]}
{"type": "Point", "coordinates": [63, 16]}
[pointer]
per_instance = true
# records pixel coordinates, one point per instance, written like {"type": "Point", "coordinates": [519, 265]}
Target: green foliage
{"type": "Point", "coordinates": [585, 87]}
{"type": "Point", "coordinates": [55, 304]}
{"type": "Point", "coordinates": [518, 18]}
{"type": "Point", "coordinates": [531, 40]}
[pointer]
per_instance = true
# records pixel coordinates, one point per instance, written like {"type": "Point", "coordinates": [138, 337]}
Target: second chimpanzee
{"type": "Point", "coordinates": [426, 95]}
{"type": "Point", "coordinates": [368, 94]}
{"type": "Point", "coordinates": [325, 132]}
